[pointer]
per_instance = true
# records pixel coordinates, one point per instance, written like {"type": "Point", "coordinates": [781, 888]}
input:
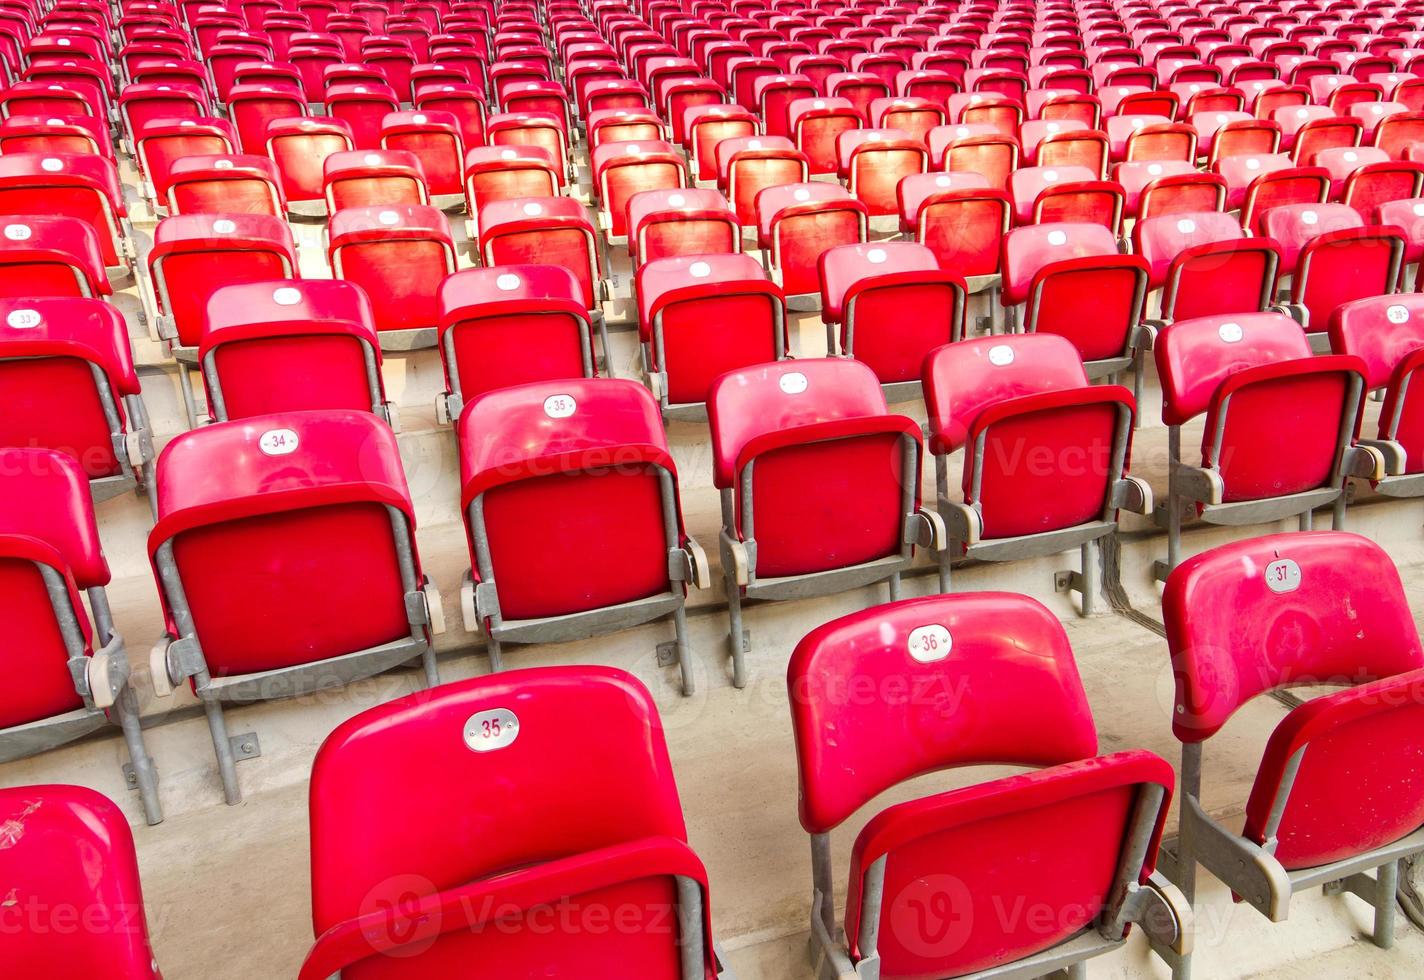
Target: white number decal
{"type": "Point", "coordinates": [1283, 575]}
{"type": "Point", "coordinates": [278, 442]}
{"type": "Point", "coordinates": [486, 731]}
{"type": "Point", "coordinates": [1001, 355]}
{"type": "Point", "coordinates": [1397, 314]}
{"type": "Point", "coordinates": [559, 406]}
{"type": "Point", "coordinates": [929, 643]}
{"type": "Point", "coordinates": [793, 382]}
{"type": "Point", "coordinates": [24, 319]}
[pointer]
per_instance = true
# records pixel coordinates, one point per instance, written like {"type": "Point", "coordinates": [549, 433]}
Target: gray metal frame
{"type": "Point", "coordinates": [1157, 907]}
{"type": "Point", "coordinates": [108, 666]}
{"type": "Point", "coordinates": [687, 565]}
{"type": "Point", "coordinates": [1396, 482]}
{"type": "Point", "coordinates": [212, 384]}
{"type": "Point", "coordinates": [1251, 870]}
{"type": "Point", "coordinates": [132, 445]}
{"type": "Point", "coordinates": [1188, 484]}
{"type": "Point", "coordinates": [964, 524]}
{"type": "Point", "coordinates": [921, 526]}
{"type": "Point", "coordinates": [181, 657]}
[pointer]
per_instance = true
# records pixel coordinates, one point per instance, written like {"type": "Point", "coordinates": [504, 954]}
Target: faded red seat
{"type": "Point", "coordinates": [1073, 837]}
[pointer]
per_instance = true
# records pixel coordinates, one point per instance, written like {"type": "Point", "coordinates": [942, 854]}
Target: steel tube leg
{"type": "Point", "coordinates": [734, 616]}
{"type": "Point", "coordinates": [942, 492]}
{"type": "Point", "coordinates": [1307, 520]}
{"type": "Point", "coordinates": [894, 583]}
{"type": "Point", "coordinates": [1089, 553]}
{"type": "Point", "coordinates": [126, 711]}
{"type": "Point", "coordinates": [217, 727]}
{"type": "Point", "coordinates": [684, 651]}
{"type": "Point", "coordinates": [427, 660]}
{"type": "Point", "coordinates": [190, 402]}
{"type": "Point", "coordinates": [492, 647]}
{"type": "Point", "coordinates": [1387, 883]}
{"type": "Point", "coordinates": [1174, 503]}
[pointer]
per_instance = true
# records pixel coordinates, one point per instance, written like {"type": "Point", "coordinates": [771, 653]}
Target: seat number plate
{"type": "Point", "coordinates": [929, 643]}
{"type": "Point", "coordinates": [1283, 575]}
{"type": "Point", "coordinates": [486, 731]}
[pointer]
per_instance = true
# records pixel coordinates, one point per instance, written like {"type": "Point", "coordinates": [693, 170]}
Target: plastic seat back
{"type": "Point", "coordinates": [545, 448]}
{"type": "Point", "coordinates": [291, 535]}
{"type": "Point", "coordinates": [48, 539]}
{"type": "Point", "coordinates": [1311, 608]}
{"type": "Point", "coordinates": [798, 222]}
{"type": "Point", "coordinates": [49, 255]}
{"type": "Point", "coordinates": [72, 849]}
{"type": "Point", "coordinates": [544, 231]}
{"type": "Point", "coordinates": [512, 847]}
{"type": "Point", "coordinates": [1018, 710]}
{"type": "Point", "coordinates": [1387, 333]}
{"type": "Point", "coordinates": [193, 254]}
{"type": "Point", "coordinates": [290, 345]}
{"type": "Point", "coordinates": [811, 435]}
{"type": "Point", "coordinates": [509, 325]}
{"type": "Point", "coordinates": [367, 178]}
{"type": "Point", "coordinates": [1239, 370]}
{"type": "Point", "coordinates": [894, 305]}
{"type": "Point", "coordinates": [226, 184]}
{"type": "Point", "coordinates": [399, 256]}
{"type": "Point", "coordinates": [1021, 401]}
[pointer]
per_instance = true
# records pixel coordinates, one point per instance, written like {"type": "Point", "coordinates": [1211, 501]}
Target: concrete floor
{"type": "Point", "coordinates": [228, 887]}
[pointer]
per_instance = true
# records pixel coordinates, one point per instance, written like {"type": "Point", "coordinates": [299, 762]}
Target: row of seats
{"type": "Point", "coordinates": [492, 763]}
{"type": "Point", "coordinates": [797, 444]}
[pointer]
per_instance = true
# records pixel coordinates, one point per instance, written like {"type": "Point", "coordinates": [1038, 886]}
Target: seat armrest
{"type": "Point", "coordinates": [106, 673]}
{"type": "Point", "coordinates": [1132, 494]}
{"type": "Point", "coordinates": [689, 564]}
{"type": "Point", "coordinates": [926, 529]}
{"type": "Point", "coordinates": [1199, 484]}
{"type": "Point", "coordinates": [962, 522]}
{"type": "Point", "coordinates": [1367, 462]}
{"type": "Point", "coordinates": [736, 558]}
{"type": "Point", "coordinates": [1395, 457]}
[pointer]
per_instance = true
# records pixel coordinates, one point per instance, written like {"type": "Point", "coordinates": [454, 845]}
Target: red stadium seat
{"type": "Point", "coordinates": [75, 852]}
{"type": "Point", "coordinates": [1237, 370]}
{"type": "Point", "coordinates": [251, 108]}
{"type": "Point", "coordinates": [162, 142]}
{"type": "Point", "coordinates": [291, 345]}
{"type": "Point", "coordinates": [44, 255]}
{"type": "Point", "coordinates": [796, 223]}
{"type": "Point", "coordinates": [510, 325]}
{"type": "Point", "coordinates": [700, 316]}
{"type": "Point", "coordinates": [888, 304]}
{"type": "Point", "coordinates": [816, 125]}
{"type": "Point", "coordinates": [873, 162]}
{"type": "Point", "coordinates": [225, 184]}
{"type": "Point", "coordinates": [1073, 282]}
{"type": "Point", "coordinates": [299, 148]}
{"type": "Point", "coordinates": [1314, 815]}
{"type": "Point", "coordinates": [1333, 258]}
{"type": "Point", "coordinates": [434, 138]}
{"type": "Point", "coordinates": [362, 107]}
{"type": "Point", "coordinates": [1020, 398]}
{"type": "Point", "coordinates": [1205, 265]}
{"type": "Point", "coordinates": [399, 256]}
{"type": "Point", "coordinates": [499, 173]}
{"type": "Point", "coordinates": [285, 556]}
{"type": "Point", "coordinates": [666, 223]}
{"type": "Point", "coordinates": [56, 134]}
{"type": "Point", "coordinates": [795, 444]}
{"type": "Point", "coordinates": [78, 186]}
{"type": "Point", "coordinates": [68, 384]}
{"type": "Point", "coordinates": [623, 169]}
{"type": "Point", "coordinates": [530, 448]}
{"type": "Point", "coordinates": [747, 165]}
{"type": "Point", "coordinates": [546, 231]}
{"type": "Point", "coordinates": [519, 761]}
{"type": "Point", "coordinates": [1076, 838]}
{"type": "Point", "coordinates": [1387, 333]}
{"type": "Point", "coordinates": [367, 178]}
